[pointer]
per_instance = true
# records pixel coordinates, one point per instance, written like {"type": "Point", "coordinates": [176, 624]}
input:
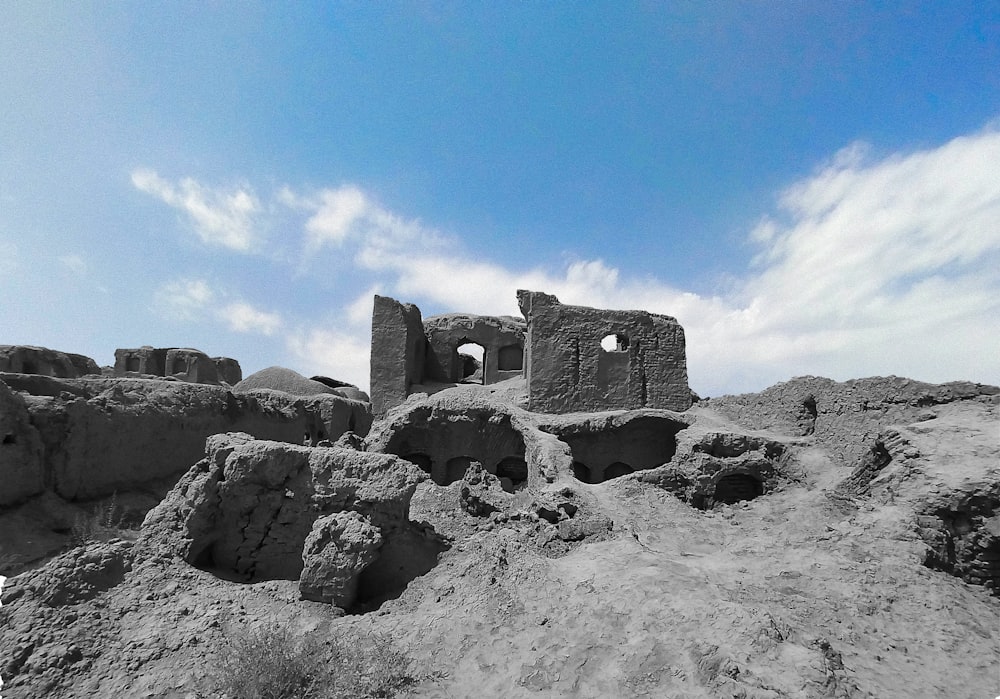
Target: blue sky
{"type": "Point", "coordinates": [810, 188]}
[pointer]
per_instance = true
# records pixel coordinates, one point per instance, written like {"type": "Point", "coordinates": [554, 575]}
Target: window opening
{"type": "Point", "coordinates": [615, 342]}
{"type": "Point", "coordinates": [512, 472]}
{"type": "Point", "coordinates": [511, 358]}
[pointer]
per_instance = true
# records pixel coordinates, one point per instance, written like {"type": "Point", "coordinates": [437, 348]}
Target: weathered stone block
{"type": "Point", "coordinates": [141, 360]}
{"type": "Point", "coordinates": [339, 547]}
{"type": "Point", "coordinates": [191, 365]}
{"type": "Point", "coordinates": [399, 350]}
{"type": "Point", "coordinates": [228, 370]}
{"type": "Point", "coordinates": [248, 510]}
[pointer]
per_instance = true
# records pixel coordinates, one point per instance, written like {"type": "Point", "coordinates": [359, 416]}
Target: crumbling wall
{"type": "Point", "coordinates": [191, 365]}
{"type": "Point", "coordinates": [399, 351]}
{"type": "Point", "coordinates": [445, 443]}
{"type": "Point", "coordinates": [568, 370]}
{"type": "Point", "coordinates": [501, 337]}
{"type": "Point", "coordinates": [144, 360]}
{"type": "Point", "coordinates": [446, 432]}
{"type": "Point", "coordinates": [608, 446]}
{"type": "Point", "coordinates": [186, 364]}
{"type": "Point", "coordinates": [105, 435]}
{"type": "Point", "coordinates": [716, 466]}
{"type": "Point", "coordinates": [848, 416]}
{"type": "Point", "coordinates": [21, 466]}
{"type": "Point", "coordinates": [25, 359]}
{"type": "Point", "coordinates": [247, 512]}
{"type": "Point", "coordinates": [561, 354]}
{"type": "Point", "coordinates": [228, 369]}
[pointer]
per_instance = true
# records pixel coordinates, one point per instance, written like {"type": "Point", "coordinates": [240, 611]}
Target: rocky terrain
{"type": "Point", "coordinates": [67, 444]}
{"type": "Point", "coordinates": [817, 539]}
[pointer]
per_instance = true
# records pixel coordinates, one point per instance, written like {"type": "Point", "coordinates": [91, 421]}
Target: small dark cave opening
{"type": "Point", "coordinates": [808, 415]}
{"type": "Point", "coordinates": [445, 448]}
{"type": "Point", "coordinates": [409, 551]}
{"type": "Point", "coordinates": [421, 461]}
{"type": "Point", "coordinates": [962, 541]}
{"type": "Point", "coordinates": [643, 443]}
{"type": "Point", "coordinates": [407, 554]}
{"type": "Point", "coordinates": [513, 473]}
{"type": "Point", "coordinates": [204, 559]}
{"type": "Point", "coordinates": [737, 487]}
{"type": "Point", "coordinates": [456, 468]}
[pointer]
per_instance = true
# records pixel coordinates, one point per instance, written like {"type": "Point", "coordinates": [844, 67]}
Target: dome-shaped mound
{"type": "Point", "coordinates": [279, 378]}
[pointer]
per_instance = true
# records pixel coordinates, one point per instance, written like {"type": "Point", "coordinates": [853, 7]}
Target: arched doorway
{"type": "Point", "coordinates": [472, 363]}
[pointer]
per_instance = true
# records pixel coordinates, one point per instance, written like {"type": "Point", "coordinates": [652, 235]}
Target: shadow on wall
{"type": "Point", "coordinates": [643, 443]}
{"type": "Point", "coordinates": [408, 552]}
{"type": "Point", "coordinates": [444, 448]}
{"type": "Point", "coordinates": [335, 520]}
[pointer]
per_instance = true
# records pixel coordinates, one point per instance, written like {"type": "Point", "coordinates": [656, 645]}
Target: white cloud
{"type": "Point", "coordinates": [889, 266]}
{"type": "Point", "coordinates": [349, 214]}
{"type": "Point", "coordinates": [219, 217]}
{"type": "Point", "coordinates": [337, 212]}
{"type": "Point", "coordinates": [866, 267]}
{"type": "Point", "coordinates": [359, 311]}
{"type": "Point", "coordinates": [859, 238]}
{"type": "Point", "coordinates": [241, 317]}
{"type": "Point", "coordinates": [342, 356]}
{"type": "Point", "coordinates": [194, 300]}
{"type": "Point", "coordinates": [74, 263]}
{"type": "Point", "coordinates": [184, 299]}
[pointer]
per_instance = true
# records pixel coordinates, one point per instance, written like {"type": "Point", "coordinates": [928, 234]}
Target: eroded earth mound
{"type": "Point", "coordinates": [817, 539]}
{"type": "Point", "coordinates": [67, 445]}
{"type": "Point", "coordinates": [276, 378]}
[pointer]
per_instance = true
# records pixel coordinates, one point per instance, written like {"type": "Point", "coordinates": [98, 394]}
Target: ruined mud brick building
{"type": "Point", "coordinates": [41, 361]}
{"type": "Point", "coordinates": [574, 359]}
{"type": "Point", "coordinates": [187, 364]}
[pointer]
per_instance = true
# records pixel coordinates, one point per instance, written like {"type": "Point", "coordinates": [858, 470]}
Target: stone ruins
{"type": "Point", "coordinates": [574, 359]}
{"type": "Point", "coordinates": [24, 359]}
{"type": "Point", "coordinates": [482, 453]}
{"type": "Point", "coordinates": [184, 364]}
